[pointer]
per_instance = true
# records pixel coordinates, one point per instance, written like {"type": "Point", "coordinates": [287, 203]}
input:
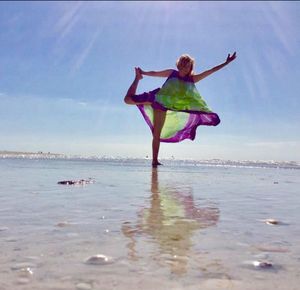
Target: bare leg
{"type": "Point", "coordinates": [159, 120]}
{"type": "Point", "coordinates": [132, 89]}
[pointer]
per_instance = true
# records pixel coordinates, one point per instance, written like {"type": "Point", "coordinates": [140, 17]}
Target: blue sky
{"type": "Point", "coordinates": [66, 66]}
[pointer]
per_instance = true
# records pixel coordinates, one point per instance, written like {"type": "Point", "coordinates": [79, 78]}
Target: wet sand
{"type": "Point", "coordinates": [174, 227]}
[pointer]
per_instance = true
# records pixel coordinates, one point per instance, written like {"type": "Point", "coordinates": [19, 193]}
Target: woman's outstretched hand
{"type": "Point", "coordinates": [140, 70]}
{"type": "Point", "coordinates": [230, 58]}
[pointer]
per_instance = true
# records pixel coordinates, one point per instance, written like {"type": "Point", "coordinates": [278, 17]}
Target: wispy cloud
{"type": "Point", "coordinates": [70, 17]}
{"type": "Point", "coordinates": [64, 28]}
{"type": "Point", "coordinates": [84, 54]}
{"type": "Point", "coordinates": [283, 27]}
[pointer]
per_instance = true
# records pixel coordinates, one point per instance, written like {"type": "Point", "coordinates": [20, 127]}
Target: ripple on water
{"type": "Point", "coordinates": [272, 248]}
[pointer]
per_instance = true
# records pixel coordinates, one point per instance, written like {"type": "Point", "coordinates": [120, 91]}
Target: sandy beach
{"type": "Point", "coordinates": [175, 227]}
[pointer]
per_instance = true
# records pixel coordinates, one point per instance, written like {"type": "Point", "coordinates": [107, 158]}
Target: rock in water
{"type": "Point", "coordinates": [77, 182]}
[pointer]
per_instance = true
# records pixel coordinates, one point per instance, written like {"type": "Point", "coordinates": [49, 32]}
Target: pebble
{"type": "Point", "coordinates": [99, 260]}
{"type": "Point", "coordinates": [62, 224]}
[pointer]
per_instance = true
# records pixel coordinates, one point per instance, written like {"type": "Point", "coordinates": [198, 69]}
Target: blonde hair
{"type": "Point", "coordinates": [185, 59]}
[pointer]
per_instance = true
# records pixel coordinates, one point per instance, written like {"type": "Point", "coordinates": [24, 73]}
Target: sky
{"type": "Point", "coordinates": [65, 68]}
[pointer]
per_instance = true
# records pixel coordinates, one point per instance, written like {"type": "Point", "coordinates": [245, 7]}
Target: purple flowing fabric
{"type": "Point", "coordinates": [185, 109]}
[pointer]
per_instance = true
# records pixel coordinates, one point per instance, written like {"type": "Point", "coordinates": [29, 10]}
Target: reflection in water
{"type": "Point", "coordinates": [171, 222]}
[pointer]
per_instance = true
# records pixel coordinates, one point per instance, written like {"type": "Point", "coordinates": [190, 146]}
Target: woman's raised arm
{"type": "Point", "coordinates": [198, 77]}
{"type": "Point", "coordinates": [164, 73]}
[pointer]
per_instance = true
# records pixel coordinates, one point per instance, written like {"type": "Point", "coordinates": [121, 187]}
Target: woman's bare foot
{"type": "Point", "coordinates": [156, 163]}
{"type": "Point", "coordinates": [138, 74]}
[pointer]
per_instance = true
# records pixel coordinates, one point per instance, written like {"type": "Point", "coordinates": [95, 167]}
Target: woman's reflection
{"type": "Point", "coordinates": [170, 221]}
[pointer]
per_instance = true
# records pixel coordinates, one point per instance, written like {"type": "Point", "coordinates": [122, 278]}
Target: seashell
{"type": "Point", "coordinates": [271, 222]}
{"type": "Point", "coordinates": [99, 260]}
{"type": "Point", "coordinates": [262, 264]}
{"type": "Point", "coordinates": [25, 272]}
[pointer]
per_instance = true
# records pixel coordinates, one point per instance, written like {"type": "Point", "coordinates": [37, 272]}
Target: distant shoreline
{"type": "Point", "coordinates": [6, 153]}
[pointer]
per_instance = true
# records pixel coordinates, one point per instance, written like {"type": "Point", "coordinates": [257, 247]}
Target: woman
{"type": "Point", "coordinates": [174, 111]}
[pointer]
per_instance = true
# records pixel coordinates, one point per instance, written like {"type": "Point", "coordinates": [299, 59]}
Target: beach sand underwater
{"type": "Point", "coordinates": [183, 225]}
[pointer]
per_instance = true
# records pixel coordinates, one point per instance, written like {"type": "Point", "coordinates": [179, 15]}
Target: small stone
{"type": "Point", "coordinates": [99, 260]}
{"type": "Point", "coordinates": [62, 224]}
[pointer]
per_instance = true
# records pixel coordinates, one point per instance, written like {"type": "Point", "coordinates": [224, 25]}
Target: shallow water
{"type": "Point", "coordinates": [176, 227]}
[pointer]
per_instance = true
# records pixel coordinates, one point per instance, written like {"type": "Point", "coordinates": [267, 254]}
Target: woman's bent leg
{"type": "Point", "coordinates": [132, 89]}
